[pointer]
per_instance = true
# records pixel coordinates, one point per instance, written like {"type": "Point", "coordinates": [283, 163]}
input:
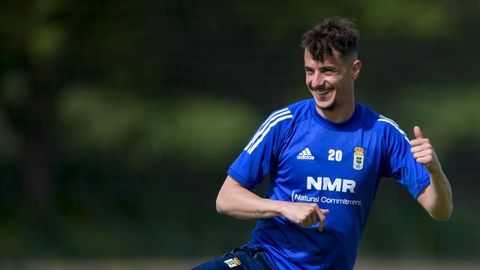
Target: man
{"type": "Point", "coordinates": [325, 157]}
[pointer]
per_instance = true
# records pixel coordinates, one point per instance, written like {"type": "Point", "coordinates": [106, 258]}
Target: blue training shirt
{"type": "Point", "coordinates": [338, 166]}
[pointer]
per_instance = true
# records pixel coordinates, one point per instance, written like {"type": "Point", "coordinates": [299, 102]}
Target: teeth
{"type": "Point", "coordinates": [322, 92]}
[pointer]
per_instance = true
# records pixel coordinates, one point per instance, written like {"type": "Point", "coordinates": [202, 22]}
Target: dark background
{"type": "Point", "coordinates": [119, 119]}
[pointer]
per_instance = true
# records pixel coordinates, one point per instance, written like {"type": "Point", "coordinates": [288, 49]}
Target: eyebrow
{"type": "Point", "coordinates": [323, 68]}
{"type": "Point", "coordinates": [328, 68]}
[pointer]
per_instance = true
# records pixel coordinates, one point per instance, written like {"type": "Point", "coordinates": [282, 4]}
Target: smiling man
{"type": "Point", "coordinates": [325, 157]}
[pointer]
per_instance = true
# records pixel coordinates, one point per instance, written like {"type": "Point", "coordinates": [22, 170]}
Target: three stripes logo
{"type": "Point", "coordinates": [265, 128]}
{"type": "Point", "coordinates": [382, 118]}
{"type": "Point", "coordinates": [306, 154]}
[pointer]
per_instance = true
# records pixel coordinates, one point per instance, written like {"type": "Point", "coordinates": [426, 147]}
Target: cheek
{"type": "Point", "coordinates": [308, 82]}
{"type": "Point", "coordinates": [337, 80]}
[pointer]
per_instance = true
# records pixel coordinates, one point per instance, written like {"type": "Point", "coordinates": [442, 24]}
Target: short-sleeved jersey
{"type": "Point", "coordinates": [338, 166]}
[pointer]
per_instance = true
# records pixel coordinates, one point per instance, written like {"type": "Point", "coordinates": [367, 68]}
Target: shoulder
{"type": "Point", "coordinates": [300, 110]}
{"type": "Point", "coordinates": [300, 106]}
{"type": "Point", "coordinates": [279, 123]}
{"type": "Point", "coordinates": [289, 114]}
{"type": "Point", "coordinates": [382, 124]}
{"type": "Point", "coordinates": [275, 126]}
{"type": "Point", "coordinates": [391, 127]}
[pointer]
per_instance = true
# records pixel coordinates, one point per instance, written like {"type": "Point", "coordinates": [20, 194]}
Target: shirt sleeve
{"type": "Point", "coordinates": [401, 164]}
{"type": "Point", "coordinates": [259, 155]}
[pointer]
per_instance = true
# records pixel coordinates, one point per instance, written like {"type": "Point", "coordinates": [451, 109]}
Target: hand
{"type": "Point", "coordinates": [423, 152]}
{"type": "Point", "coordinates": [305, 214]}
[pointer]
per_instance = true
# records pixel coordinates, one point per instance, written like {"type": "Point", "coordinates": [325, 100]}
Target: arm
{"type": "Point", "coordinates": [237, 201]}
{"type": "Point", "coordinates": [436, 198]}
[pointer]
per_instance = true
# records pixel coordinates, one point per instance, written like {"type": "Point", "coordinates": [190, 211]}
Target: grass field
{"type": "Point", "coordinates": [188, 263]}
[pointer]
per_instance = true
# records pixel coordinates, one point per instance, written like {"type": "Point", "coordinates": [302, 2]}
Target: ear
{"type": "Point", "coordinates": [356, 67]}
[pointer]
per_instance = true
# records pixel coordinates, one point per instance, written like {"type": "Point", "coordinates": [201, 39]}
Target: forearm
{"type": "Point", "coordinates": [442, 204]}
{"type": "Point", "coordinates": [437, 197]}
{"type": "Point", "coordinates": [237, 201]}
{"type": "Point", "coordinates": [234, 200]}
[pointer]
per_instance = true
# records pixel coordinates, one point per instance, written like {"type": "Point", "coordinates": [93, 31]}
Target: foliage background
{"type": "Point", "coordinates": [118, 119]}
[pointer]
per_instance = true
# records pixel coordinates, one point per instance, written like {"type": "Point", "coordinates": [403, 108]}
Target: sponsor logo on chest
{"type": "Point", "coordinates": [325, 183]}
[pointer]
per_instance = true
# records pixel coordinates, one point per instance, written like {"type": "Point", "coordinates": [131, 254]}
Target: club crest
{"type": "Point", "coordinates": [358, 158]}
{"type": "Point", "coordinates": [232, 262]}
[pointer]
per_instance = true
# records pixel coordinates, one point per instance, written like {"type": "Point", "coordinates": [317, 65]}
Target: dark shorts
{"type": "Point", "coordinates": [238, 259]}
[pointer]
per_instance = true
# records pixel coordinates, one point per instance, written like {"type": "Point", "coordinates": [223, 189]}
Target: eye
{"type": "Point", "coordinates": [329, 72]}
{"type": "Point", "coordinates": [309, 71]}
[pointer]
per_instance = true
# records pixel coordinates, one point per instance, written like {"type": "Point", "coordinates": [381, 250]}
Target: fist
{"type": "Point", "coordinates": [305, 214]}
{"type": "Point", "coordinates": [422, 150]}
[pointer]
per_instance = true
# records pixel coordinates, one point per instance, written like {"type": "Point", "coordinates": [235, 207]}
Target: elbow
{"type": "Point", "coordinates": [443, 214]}
{"type": "Point", "coordinates": [221, 205]}
{"type": "Point", "coordinates": [441, 217]}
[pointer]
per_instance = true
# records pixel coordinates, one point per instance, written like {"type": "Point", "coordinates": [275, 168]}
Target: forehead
{"type": "Point", "coordinates": [328, 60]}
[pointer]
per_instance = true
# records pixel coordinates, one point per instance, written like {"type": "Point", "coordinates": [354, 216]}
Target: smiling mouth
{"type": "Point", "coordinates": [323, 92]}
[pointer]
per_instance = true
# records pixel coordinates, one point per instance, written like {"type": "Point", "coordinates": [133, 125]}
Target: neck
{"type": "Point", "coordinates": [338, 114]}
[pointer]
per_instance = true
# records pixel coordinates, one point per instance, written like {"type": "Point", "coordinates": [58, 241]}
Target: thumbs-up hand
{"type": "Point", "coordinates": [423, 151]}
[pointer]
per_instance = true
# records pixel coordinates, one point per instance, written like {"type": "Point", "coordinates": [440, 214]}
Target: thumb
{"type": "Point", "coordinates": [325, 211]}
{"type": "Point", "coordinates": [418, 132]}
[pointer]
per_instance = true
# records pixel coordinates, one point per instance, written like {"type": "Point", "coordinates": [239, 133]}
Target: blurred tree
{"type": "Point", "coordinates": [34, 36]}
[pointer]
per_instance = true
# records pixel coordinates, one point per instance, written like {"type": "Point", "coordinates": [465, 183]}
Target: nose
{"type": "Point", "coordinates": [317, 80]}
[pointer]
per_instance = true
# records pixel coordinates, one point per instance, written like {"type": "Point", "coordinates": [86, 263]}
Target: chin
{"type": "Point", "coordinates": [326, 106]}
{"type": "Point", "coordinates": [325, 103]}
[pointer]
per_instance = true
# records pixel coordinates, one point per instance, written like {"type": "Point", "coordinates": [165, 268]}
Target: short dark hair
{"type": "Point", "coordinates": [337, 33]}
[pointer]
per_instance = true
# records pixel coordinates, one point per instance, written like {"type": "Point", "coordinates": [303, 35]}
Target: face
{"type": "Point", "coordinates": [331, 82]}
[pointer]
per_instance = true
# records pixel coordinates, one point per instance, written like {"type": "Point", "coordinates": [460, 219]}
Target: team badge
{"type": "Point", "coordinates": [358, 158]}
{"type": "Point", "coordinates": [233, 262]}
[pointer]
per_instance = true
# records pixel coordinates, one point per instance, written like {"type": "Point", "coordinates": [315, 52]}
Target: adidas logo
{"type": "Point", "coordinates": [306, 154]}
